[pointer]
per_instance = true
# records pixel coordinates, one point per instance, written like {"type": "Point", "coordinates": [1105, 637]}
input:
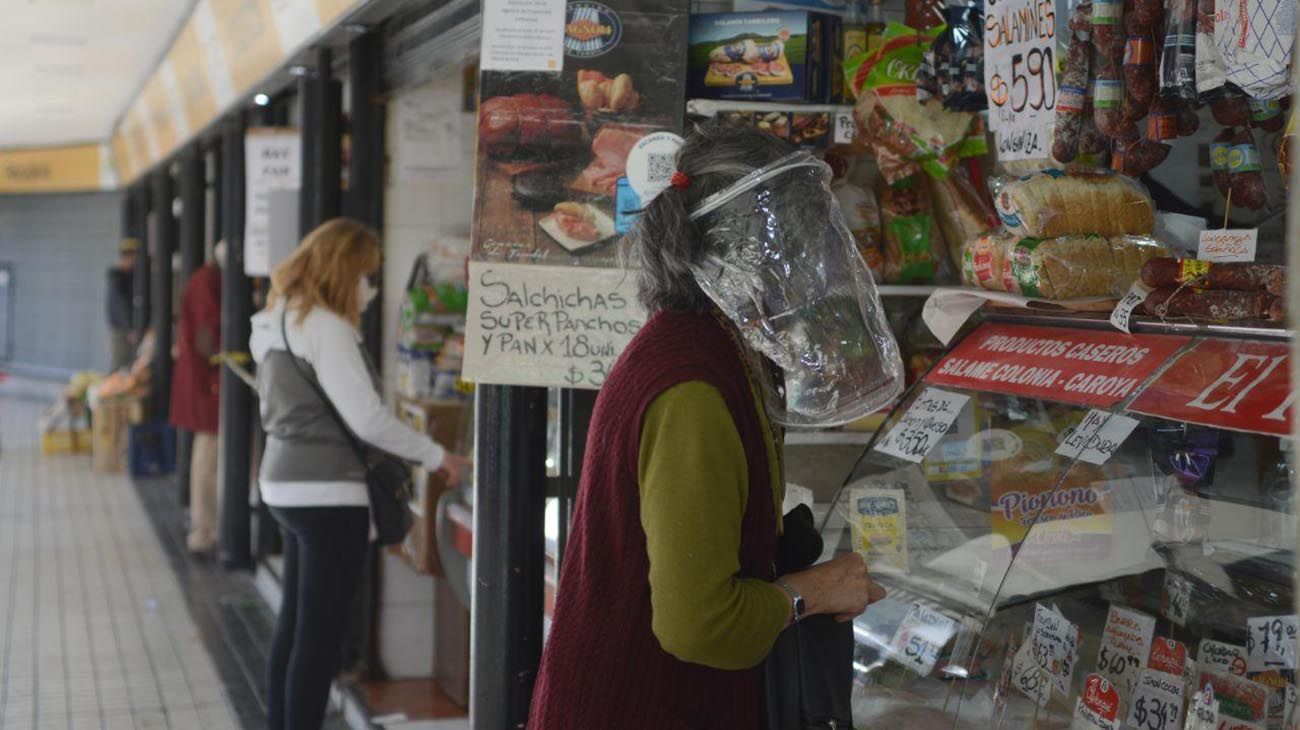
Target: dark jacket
{"type": "Point", "coordinates": [121, 293]}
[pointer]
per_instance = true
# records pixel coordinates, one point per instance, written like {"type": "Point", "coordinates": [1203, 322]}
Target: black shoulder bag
{"type": "Point", "coordinates": [388, 479]}
{"type": "Point", "coordinates": [808, 676]}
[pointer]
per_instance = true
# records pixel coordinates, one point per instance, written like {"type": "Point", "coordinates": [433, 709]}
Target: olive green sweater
{"type": "Point", "coordinates": [694, 484]}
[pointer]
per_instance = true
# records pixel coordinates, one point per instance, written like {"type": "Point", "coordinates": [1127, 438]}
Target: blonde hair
{"type": "Point", "coordinates": [324, 270]}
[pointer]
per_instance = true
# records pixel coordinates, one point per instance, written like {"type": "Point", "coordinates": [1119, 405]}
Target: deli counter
{"type": "Point", "coordinates": [1080, 528]}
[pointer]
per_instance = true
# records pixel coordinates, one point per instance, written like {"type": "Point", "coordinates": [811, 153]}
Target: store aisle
{"type": "Point", "coordinates": [95, 631]}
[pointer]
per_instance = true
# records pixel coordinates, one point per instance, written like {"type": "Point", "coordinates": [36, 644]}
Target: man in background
{"type": "Point", "coordinates": [121, 305]}
{"type": "Point", "coordinates": [195, 389]}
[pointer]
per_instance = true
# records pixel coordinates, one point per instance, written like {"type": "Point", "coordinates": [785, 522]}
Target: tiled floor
{"type": "Point", "coordinates": [95, 629]}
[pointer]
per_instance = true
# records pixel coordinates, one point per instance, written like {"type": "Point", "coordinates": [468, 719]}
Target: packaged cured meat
{"type": "Point", "coordinates": [1266, 115]}
{"type": "Point", "coordinates": [1108, 27]}
{"type": "Point", "coordinates": [913, 246]}
{"type": "Point", "coordinates": [1108, 91]}
{"type": "Point", "coordinates": [1255, 41]}
{"type": "Point", "coordinates": [1054, 203]}
{"type": "Point", "coordinates": [1140, 78]}
{"type": "Point", "coordinates": [1284, 148]}
{"type": "Point", "coordinates": [1165, 272]}
{"type": "Point", "coordinates": [1073, 88]}
{"type": "Point", "coordinates": [1231, 110]}
{"type": "Point", "coordinates": [1178, 62]}
{"type": "Point", "coordinates": [1138, 158]}
{"type": "Point", "coordinates": [1091, 140]}
{"type": "Point", "coordinates": [1070, 267]}
{"type": "Point", "coordinates": [1219, 305]}
{"type": "Point", "coordinates": [1244, 172]}
{"type": "Point", "coordinates": [959, 209]}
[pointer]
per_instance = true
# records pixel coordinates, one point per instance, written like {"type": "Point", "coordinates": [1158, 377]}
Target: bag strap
{"type": "Point", "coordinates": [353, 441]}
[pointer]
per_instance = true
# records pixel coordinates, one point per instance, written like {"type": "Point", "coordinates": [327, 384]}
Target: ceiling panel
{"type": "Point", "coordinates": [72, 66]}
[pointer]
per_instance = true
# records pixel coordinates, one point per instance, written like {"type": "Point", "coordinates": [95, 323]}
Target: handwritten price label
{"type": "Point", "coordinates": [1020, 75]}
{"type": "Point", "coordinates": [1177, 598]}
{"type": "Point", "coordinates": [846, 129]}
{"type": "Point", "coordinates": [1055, 643]}
{"type": "Point", "coordinates": [1270, 643]}
{"type": "Point", "coordinates": [1027, 678]}
{"type": "Point", "coordinates": [920, 637]}
{"type": "Point", "coordinates": [1122, 317]}
{"type": "Point", "coordinates": [1216, 656]}
{"type": "Point", "coordinates": [1157, 703]}
{"type": "Point", "coordinates": [1125, 644]}
{"type": "Point", "coordinates": [924, 424]}
{"type": "Point", "coordinates": [1097, 437]}
{"type": "Point", "coordinates": [1228, 244]}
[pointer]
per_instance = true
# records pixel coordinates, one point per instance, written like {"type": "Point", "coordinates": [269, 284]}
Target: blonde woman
{"type": "Point", "coordinates": [310, 478]}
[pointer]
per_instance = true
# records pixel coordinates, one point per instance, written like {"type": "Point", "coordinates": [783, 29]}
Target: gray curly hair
{"type": "Point", "coordinates": [666, 242]}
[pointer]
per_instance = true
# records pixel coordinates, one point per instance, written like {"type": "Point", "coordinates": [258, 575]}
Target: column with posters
{"type": "Point", "coordinates": [273, 167]}
{"type": "Point", "coordinates": [551, 300]}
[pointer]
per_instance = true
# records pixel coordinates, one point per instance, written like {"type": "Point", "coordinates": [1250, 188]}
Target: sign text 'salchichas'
{"type": "Point", "coordinates": [1088, 368]}
{"type": "Point", "coordinates": [1233, 384]}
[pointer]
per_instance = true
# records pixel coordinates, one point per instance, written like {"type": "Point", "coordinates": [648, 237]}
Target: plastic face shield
{"type": "Point", "coordinates": [784, 268]}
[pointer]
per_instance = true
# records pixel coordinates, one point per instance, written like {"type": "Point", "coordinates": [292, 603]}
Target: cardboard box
{"type": "Point", "coordinates": [110, 423]}
{"type": "Point", "coordinates": [444, 422]}
{"type": "Point", "coordinates": [773, 56]}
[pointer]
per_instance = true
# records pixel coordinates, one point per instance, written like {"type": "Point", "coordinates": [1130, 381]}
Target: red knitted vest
{"type": "Point", "coordinates": [602, 666]}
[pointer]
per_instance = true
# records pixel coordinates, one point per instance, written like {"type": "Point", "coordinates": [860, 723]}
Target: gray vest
{"type": "Point", "coordinates": [303, 441]}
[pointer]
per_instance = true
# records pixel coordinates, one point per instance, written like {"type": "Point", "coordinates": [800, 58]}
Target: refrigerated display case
{"type": "Point", "coordinates": [1080, 528]}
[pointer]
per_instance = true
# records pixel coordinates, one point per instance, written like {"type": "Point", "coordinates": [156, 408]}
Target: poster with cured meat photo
{"type": "Point", "coordinates": [551, 183]}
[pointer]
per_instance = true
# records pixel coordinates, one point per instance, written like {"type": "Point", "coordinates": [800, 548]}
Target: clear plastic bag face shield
{"type": "Point", "coordinates": [783, 266]}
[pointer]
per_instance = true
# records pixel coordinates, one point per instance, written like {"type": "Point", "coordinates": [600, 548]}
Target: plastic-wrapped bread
{"type": "Point", "coordinates": [1053, 203]}
{"type": "Point", "coordinates": [1072, 267]}
{"type": "Point", "coordinates": [985, 261]}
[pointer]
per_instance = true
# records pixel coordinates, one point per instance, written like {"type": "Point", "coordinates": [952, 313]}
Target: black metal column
{"type": "Point", "coordinates": [235, 540]}
{"type": "Point", "coordinates": [576, 407]}
{"type": "Point", "coordinates": [193, 188]}
{"type": "Point", "coordinates": [321, 97]}
{"type": "Point", "coordinates": [141, 284]}
{"type": "Point", "coordinates": [509, 554]}
{"type": "Point", "coordinates": [365, 197]}
{"type": "Point", "coordinates": [162, 244]}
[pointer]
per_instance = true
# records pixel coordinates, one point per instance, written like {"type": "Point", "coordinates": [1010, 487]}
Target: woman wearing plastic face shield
{"type": "Point", "coordinates": [670, 600]}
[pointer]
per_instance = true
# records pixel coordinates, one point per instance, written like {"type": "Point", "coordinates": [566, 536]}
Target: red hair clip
{"type": "Point", "coordinates": [679, 180]}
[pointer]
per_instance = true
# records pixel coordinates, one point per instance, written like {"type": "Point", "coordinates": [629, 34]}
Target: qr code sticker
{"type": "Point", "coordinates": [660, 166]}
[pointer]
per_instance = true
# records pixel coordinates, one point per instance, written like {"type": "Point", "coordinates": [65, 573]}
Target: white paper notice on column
{"type": "Point", "coordinates": [272, 162]}
{"type": "Point", "coordinates": [1020, 77]}
{"type": "Point", "coordinates": [430, 136]}
{"type": "Point", "coordinates": [523, 35]}
{"type": "Point", "coordinates": [548, 326]}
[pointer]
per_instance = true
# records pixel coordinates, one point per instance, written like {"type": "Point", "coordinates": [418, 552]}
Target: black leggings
{"type": "Point", "coordinates": [324, 551]}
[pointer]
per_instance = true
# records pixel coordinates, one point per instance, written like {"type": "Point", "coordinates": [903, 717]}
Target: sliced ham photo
{"type": "Point", "coordinates": [611, 147]}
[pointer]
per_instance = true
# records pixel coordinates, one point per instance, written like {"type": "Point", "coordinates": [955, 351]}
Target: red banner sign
{"type": "Point", "coordinates": [1084, 367]}
{"type": "Point", "coordinates": [1235, 384]}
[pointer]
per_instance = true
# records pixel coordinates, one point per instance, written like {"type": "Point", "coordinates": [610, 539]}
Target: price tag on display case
{"type": "Point", "coordinates": [920, 637]}
{"type": "Point", "coordinates": [1055, 643]}
{"type": "Point", "coordinates": [1177, 598]}
{"type": "Point", "coordinates": [1216, 656]}
{"type": "Point", "coordinates": [924, 424]}
{"type": "Point", "coordinates": [846, 129]}
{"type": "Point", "coordinates": [1121, 318]}
{"type": "Point", "coordinates": [1125, 645]}
{"type": "Point", "coordinates": [1020, 75]}
{"type": "Point", "coordinates": [1097, 437]}
{"type": "Point", "coordinates": [1204, 711]}
{"type": "Point", "coordinates": [1270, 643]}
{"type": "Point", "coordinates": [1168, 656]}
{"type": "Point", "coordinates": [1157, 703]}
{"type": "Point", "coordinates": [1027, 678]}
{"type": "Point", "coordinates": [1098, 706]}
{"type": "Point", "coordinates": [1227, 244]}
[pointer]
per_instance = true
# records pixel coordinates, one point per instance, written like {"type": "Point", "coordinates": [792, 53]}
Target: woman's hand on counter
{"type": "Point", "coordinates": [840, 587]}
{"type": "Point", "coordinates": [453, 469]}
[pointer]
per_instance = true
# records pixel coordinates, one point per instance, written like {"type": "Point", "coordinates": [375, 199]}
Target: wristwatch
{"type": "Point", "coordinates": [795, 599]}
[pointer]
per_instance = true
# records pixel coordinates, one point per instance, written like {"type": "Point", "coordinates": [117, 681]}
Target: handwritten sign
{"type": "Point", "coordinates": [920, 637]}
{"type": "Point", "coordinates": [1055, 644]}
{"type": "Point", "coordinates": [1098, 706]}
{"type": "Point", "coordinates": [1270, 643]}
{"type": "Point", "coordinates": [1027, 678]}
{"type": "Point", "coordinates": [1177, 598]}
{"type": "Point", "coordinates": [879, 522]}
{"type": "Point", "coordinates": [1228, 244]}
{"type": "Point", "coordinates": [923, 425]}
{"type": "Point", "coordinates": [1122, 317]}
{"type": "Point", "coordinates": [846, 128]}
{"type": "Point", "coordinates": [1125, 645]}
{"type": "Point", "coordinates": [1157, 703]}
{"type": "Point", "coordinates": [1019, 73]}
{"type": "Point", "coordinates": [1216, 656]}
{"type": "Point", "coordinates": [548, 326]}
{"type": "Point", "coordinates": [523, 35]}
{"type": "Point", "coordinates": [273, 164]}
{"type": "Point", "coordinates": [1204, 712]}
{"type": "Point", "coordinates": [1097, 437]}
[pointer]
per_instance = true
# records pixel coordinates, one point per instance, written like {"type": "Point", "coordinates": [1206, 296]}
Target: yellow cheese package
{"type": "Point", "coordinates": [878, 519]}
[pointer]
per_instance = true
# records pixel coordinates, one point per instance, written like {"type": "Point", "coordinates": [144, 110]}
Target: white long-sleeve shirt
{"type": "Point", "coordinates": [331, 345]}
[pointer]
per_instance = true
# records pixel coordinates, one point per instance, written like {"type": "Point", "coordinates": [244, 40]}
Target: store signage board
{"type": "Point", "coordinates": [923, 426]}
{"type": "Point", "coordinates": [1233, 384]}
{"type": "Point", "coordinates": [1019, 73]}
{"type": "Point", "coordinates": [1228, 244]}
{"type": "Point", "coordinates": [273, 164]}
{"type": "Point", "coordinates": [1157, 703]}
{"type": "Point", "coordinates": [1270, 643]}
{"type": "Point", "coordinates": [548, 326]}
{"type": "Point", "coordinates": [523, 35]}
{"type": "Point", "coordinates": [1083, 367]}
{"type": "Point", "coordinates": [1125, 645]}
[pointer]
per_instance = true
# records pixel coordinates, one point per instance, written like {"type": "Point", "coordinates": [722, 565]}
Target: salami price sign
{"type": "Point", "coordinates": [1020, 75]}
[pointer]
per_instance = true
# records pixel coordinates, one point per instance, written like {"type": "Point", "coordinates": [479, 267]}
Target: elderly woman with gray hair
{"type": "Point", "coordinates": [670, 598]}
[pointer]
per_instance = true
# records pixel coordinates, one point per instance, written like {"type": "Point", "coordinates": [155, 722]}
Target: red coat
{"type": "Point", "coordinates": [195, 381]}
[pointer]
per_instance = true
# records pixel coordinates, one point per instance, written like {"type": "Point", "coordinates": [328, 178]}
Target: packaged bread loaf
{"type": "Point", "coordinates": [1072, 267]}
{"type": "Point", "coordinates": [1054, 203]}
{"type": "Point", "coordinates": [985, 261]}
{"type": "Point", "coordinates": [959, 209]}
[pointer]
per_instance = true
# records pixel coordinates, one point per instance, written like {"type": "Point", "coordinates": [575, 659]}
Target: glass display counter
{"type": "Point", "coordinates": [1077, 529]}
